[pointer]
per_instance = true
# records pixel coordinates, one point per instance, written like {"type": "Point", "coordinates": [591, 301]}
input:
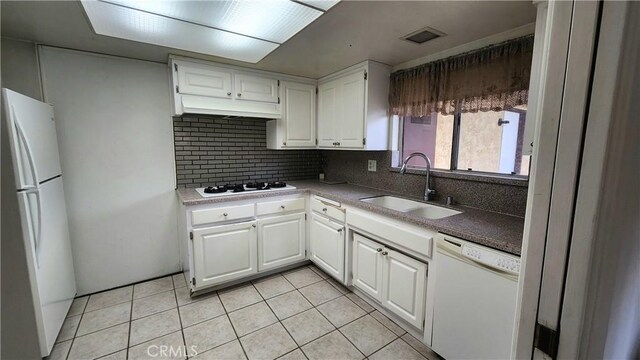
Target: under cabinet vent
{"type": "Point", "coordinates": [423, 35]}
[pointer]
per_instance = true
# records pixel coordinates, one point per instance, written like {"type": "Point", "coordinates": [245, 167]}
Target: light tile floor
{"type": "Point", "coordinates": [298, 314]}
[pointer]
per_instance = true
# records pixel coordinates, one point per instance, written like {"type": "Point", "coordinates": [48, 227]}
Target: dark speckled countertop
{"type": "Point", "coordinates": [495, 230]}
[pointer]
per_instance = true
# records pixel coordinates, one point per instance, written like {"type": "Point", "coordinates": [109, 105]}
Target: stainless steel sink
{"type": "Point", "coordinates": [411, 207]}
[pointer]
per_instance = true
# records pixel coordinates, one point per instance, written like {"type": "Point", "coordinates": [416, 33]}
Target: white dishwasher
{"type": "Point", "coordinates": [475, 300]}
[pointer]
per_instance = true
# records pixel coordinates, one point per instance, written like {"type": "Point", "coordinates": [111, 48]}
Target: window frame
{"type": "Point", "coordinates": [397, 158]}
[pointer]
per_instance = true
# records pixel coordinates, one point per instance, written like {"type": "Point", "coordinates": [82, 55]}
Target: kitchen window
{"type": "Point", "coordinates": [466, 112]}
{"type": "Point", "coordinates": [485, 141]}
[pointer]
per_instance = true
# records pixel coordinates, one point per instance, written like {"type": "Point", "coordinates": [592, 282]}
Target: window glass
{"type": "Point", "coordinates": [431, 135]}
{"type": "Point", "coordinates": [492, 142]}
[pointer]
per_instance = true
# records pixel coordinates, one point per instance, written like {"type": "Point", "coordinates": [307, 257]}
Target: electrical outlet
{"type": "Point", "coordinates": [372, 165]}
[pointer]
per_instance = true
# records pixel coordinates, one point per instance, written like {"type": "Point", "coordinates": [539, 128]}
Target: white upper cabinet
{"type": "Point", "coordinates": [200, 87]}
{"type": "Point", "coordinates": [204, 81]}
{"type": "Point", "coordinates": [352, 108]}
{"type": "Point", "coordinates": [328, 113]}
{"type": "Point", "coordinates": [297, 128]}
{"type": "Point", "coordinates": [256, 88]}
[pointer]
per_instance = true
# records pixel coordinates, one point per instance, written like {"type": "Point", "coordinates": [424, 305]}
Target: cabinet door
{"type": "Point", "coordinates": [327, 114]}
{"type": "Point", "coordinates": [403, 290]}
{"type": "Point", "coordinates": [204, 81]}
{"type": "Point", "coordinates": [299, 115]}
{"type": "Point", "coordinates": [256, 88]}
{"type": "Point", "coordinates": [351, 125]}
{"type": "Point", "coordinates": [224, 253]}
{"type": "Point", "coordinates": [327, 246]}
{"type": "Point", "coordinates": [367, 266]}
{"type": "Point", "coordinates": [281, 241]}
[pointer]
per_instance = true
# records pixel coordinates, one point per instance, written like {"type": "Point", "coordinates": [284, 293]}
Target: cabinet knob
{"type": "Point", "coordinates": [253, 225]}
{"type": "Point", "coordinates": [338, 143]}
{"type": "Point", "coordinates": [385, 253]}
{"type": "Point", "coordinates": [284, 143]}
{"type": "Point", "coordinates": [340, 230]}
{"type": "Point", "coordinates": [229, 93]}
{"type": "Point", "coordinates": [282, 207]}
{"type": "Point", "coordinates": [324, 209]}
{"type": "Point", "coordinates": [379, 249]}
{"type": "Point", "coordinates": [239, 94]}
{"type": "Point", "coordinates": [225, 214]}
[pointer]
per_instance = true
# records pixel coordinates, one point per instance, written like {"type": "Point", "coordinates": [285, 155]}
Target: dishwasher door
{"type": "Point", "coordinates": [475, 300]}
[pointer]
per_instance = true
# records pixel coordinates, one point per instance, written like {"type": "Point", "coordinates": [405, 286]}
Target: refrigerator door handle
{"type": "Point", "coordinates": [23, 137]}
{"type": "Point", "coordinates": [38, 232]}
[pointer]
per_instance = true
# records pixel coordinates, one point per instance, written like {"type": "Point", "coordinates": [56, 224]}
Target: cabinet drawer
{"type": "Point", "coordinates": [206, 216]}
{"type": "Point", "coordinates": [329, 208]}
{"type": "Point", "coordinates": [280, 206]}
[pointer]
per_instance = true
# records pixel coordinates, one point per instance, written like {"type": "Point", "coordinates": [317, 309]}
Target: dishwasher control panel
{"type": "Point", "coordinates": [493, 259]}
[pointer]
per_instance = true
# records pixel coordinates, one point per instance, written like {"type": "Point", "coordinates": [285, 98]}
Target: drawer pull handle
{"type": "Point", "coordinates": [282, 207]}
{"type": "Point", "coordinates": [385, 253]}
{"type": "Point", "coordinates": [225, 214]}
{"type": "Point", "coordinates": [379, 249]}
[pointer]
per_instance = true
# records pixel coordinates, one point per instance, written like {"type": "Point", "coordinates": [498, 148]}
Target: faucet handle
{"type": "Point", "coordinates": [431, 192]}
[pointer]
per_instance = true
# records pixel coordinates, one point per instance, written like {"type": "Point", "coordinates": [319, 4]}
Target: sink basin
{"type": "Point", "coordinates": [411, 207]}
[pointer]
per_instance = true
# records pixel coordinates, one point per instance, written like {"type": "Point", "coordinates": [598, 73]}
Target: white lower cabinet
{"type": "Point", "coordinates": [367, 266]}
{"type": "Point", "coordinates": [224, 253]}
{"type": "Point", "coordinates": [403, 286]}
{"type": "Point", "coordinates": [395, 280]}
{"type": "Point", "coordinates": [281, 241]}
{"type": "Point", "coordinates": [327, 245]}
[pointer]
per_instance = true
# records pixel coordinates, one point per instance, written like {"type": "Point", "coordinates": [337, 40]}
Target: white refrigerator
{"type": "Point", "coordinates": [43, 216]}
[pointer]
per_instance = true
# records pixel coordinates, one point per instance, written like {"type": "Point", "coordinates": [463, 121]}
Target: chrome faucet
{"type": "Point", "coordinates": [427, 191]}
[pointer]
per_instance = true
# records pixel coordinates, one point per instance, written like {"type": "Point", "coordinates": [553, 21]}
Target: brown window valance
{"type": "Point", "coordinates": [493, 78]}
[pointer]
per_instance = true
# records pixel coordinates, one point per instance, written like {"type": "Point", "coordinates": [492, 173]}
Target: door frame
{"type": "Point", "coordinates": [562, 268]}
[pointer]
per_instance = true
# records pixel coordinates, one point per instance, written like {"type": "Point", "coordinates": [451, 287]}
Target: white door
{"type": "Point", "coordinates": [281, 241]}
{"type": "Point", "coordinates": [327, 245]}
{"type": "Point", "coordinates": [299, 114]}
{"type": "Point", "coordinates": [328, 114]}
{"type": "Point", "coordinates": [32, 135]}
{"type": "Point", "coordinates": [403, 289]}
{"type": "Point", "coordinates": [351, 115]}
{"type": "Point", "coordinates": [367, 266]}
{"type": "Point", "coordinates": [204, 81]}
{"type": "Point", "coordinates": [255, 88]}
{"type": "Point", "coordinates": [224, 253]}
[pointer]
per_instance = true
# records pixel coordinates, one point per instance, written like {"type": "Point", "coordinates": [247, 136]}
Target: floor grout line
{"type": "Point", "coordinates": [76, 332]}
{"type": "Point", "coordinates": [232, 327]}
{"type": "Point", "coordinates": [133, 289]}
{"type": "Point", "coordinates": [184, 340]}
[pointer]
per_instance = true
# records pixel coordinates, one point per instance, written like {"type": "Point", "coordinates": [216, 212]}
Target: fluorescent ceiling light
{"type": "Point", "coordinates": [320, 4]}
{"type": "Point", "coordinates": [245, 30]}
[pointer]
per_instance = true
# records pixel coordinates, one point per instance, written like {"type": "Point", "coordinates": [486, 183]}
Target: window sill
{"type": "Point", "coordinates": [513, 180]}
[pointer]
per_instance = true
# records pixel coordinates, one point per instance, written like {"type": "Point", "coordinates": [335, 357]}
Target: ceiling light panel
{"type": "Point", "coordinates": [271, 20]}
{"type": "Point", "coordinates": [122, 22]}
{"type": "Point", "coordinates": [320, 4]}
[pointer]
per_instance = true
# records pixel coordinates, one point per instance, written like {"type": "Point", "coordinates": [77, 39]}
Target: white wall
{"type": "Point", "coordinates": [116, 146]}
{"type": "Point", "coordinates": [20, 67]}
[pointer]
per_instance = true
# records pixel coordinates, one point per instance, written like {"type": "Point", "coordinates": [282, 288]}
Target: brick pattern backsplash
{"type": "Point", "coordinates": [217, 150]}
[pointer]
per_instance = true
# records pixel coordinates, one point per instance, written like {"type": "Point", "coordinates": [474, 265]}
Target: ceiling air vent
{"type": "Point", "coordinates": [423, 35]}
